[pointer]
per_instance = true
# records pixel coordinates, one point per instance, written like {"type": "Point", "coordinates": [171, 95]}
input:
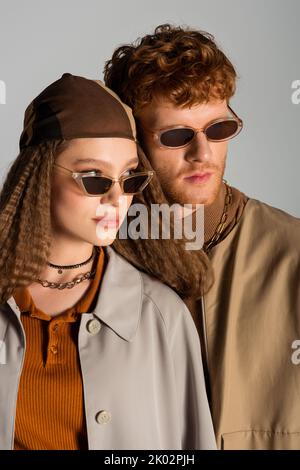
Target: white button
{"type": "Point", "coordinates": [103, 417]}
{"type": "Point", "coordinates": [93, 326]}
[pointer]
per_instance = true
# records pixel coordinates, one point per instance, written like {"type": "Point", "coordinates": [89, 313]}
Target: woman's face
{"type": "Point", "coordinates": [73, 212]}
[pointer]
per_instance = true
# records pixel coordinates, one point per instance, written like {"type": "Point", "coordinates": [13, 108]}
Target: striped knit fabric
{"type": "Point", "coordinates": [50, 406]}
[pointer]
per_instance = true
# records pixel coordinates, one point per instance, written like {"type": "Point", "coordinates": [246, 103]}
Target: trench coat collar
{"type": "Point", "coordinates": [119, 302]}
{"type": "Point", "coordinates": [120, 298]}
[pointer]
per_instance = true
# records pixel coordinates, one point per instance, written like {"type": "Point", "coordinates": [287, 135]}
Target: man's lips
{"type": "Point", "coordinates": [198, 177]}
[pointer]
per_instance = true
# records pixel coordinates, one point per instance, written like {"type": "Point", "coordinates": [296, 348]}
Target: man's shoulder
{"type": "Point", "coordinates": [261, 206]}
{"type": "Point", "coordinates": [262, 216]}
{"type": "Point", "coordinates": [262, 226]}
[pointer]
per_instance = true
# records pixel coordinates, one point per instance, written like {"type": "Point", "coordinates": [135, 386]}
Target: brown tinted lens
{"type": "Point", "coordinates": [134, 183]}
{"type": "Point", "coordinates": [96, 184]}
{"type": "Point", "coordinates": [221, 130]}
{"type": "Point", "coordinates": [176, 137]}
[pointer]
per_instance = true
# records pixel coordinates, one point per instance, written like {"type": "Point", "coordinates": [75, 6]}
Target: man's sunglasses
{"type": "Point", "coordinates": [217, 130]}
{"type": "Point", "coordinates": [98, 185]}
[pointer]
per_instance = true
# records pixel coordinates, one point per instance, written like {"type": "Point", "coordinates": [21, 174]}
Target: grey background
{"type": "Point", "coordinates": [40, 40]}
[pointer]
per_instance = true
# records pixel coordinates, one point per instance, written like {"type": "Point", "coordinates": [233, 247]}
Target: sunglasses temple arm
{"type": "Point", "coordinates": [235, 115]}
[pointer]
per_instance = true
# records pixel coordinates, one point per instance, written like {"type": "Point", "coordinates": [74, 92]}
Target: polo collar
{"type": "Point", "coordinates": [119, 301]}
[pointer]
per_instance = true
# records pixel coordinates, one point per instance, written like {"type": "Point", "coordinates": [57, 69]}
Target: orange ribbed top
{"type": "Point", "coordinates": [50, 407]}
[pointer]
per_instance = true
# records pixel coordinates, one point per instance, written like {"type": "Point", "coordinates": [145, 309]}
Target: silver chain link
{"type": "Point", "coordinates": [68, 285]}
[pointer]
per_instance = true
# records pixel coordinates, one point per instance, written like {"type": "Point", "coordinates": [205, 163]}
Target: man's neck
{"type": "Point", "coordinates": [213, 213]}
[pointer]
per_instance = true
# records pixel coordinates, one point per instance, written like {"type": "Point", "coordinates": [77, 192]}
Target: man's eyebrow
{"type": "Point", "coordinates": [180, 123]}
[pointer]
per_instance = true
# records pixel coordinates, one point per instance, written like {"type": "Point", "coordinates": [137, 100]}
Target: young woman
{"type": "Point", "coordinates": [94, 354]}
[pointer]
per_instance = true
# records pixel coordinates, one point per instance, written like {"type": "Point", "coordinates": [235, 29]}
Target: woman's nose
{"type": "Point", "coordinates": [113, 196]}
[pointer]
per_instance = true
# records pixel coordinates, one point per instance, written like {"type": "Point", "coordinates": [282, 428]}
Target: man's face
{"type": "Point", "coordinates": [175, 167]}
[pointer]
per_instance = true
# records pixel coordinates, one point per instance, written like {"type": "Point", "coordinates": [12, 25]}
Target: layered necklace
{"type": "Point", "coordinates": [96, 250]}
{"type": "Point", "coordinates": [77, 279]}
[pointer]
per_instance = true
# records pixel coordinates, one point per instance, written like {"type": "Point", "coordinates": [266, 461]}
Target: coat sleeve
{"type": "Point", "coordinates": [196, 423]}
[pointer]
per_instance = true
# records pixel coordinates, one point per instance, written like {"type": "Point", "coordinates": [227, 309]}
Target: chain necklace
{"type": "Point", "coordinates": [76, 280]}
{"type": "Point", "coordinates": [207, 246]}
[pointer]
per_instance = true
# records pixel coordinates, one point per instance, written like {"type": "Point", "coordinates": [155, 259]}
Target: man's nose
{"type": "Point", "coordinates": [199, 149]}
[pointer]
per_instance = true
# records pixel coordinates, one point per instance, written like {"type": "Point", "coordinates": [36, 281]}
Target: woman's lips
{"type": "Point", "coordinates": [108, 222]}
{"type": "Point", "coordinates": [199, 177]}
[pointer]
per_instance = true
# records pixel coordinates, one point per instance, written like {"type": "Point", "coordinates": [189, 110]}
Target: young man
{"type": "Point", "coordinates": [179, 84]}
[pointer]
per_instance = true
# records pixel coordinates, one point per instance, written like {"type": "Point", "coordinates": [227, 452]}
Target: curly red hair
{"type": "Point", "coordinates": [183, 65]}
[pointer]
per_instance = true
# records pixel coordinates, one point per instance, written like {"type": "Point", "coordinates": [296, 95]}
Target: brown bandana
{"type": "Point", "coordinates": [74, 107]}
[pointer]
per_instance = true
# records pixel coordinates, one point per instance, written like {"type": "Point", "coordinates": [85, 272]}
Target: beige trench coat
{"type": "Point", "coordinates": [142, 372]}
{"type": "Point", "coordinates": [251, 319]}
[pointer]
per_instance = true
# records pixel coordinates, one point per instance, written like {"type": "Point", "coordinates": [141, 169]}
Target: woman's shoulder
{"type": "Point", "coordinates": [158, 298]}
{"type": "Point", "coordinates": [166, 303]}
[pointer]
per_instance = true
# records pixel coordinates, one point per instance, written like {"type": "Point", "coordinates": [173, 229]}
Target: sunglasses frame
{"type": "Point", "coordinates": [157, 134]}
{"type": "Point", "coordinates": [79, 176]}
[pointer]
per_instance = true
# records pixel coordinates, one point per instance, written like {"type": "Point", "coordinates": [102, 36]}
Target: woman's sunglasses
{"type": "Point", "coordinates": [217, 130]}
{"type": "Point", "coordinates": [98, 185]}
